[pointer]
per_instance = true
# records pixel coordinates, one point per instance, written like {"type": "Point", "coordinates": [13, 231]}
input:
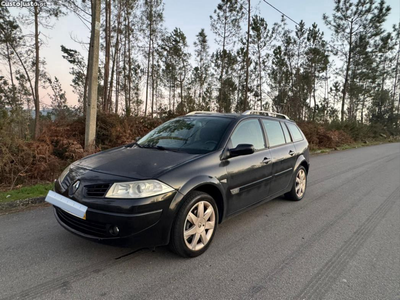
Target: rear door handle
{"type": "Point", "coordinates": [266, 160]}
{"type": "Point", "coordinates": [291, 153]}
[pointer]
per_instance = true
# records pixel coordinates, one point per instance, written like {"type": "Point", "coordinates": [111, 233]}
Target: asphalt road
{"type": "Point", "coordinates": [341, 241]}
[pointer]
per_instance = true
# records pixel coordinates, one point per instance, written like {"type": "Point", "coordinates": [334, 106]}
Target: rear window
{"type": "Point", "coordinates": [274, 132]}
{"type": "Point", "coordinates": [295, 132]}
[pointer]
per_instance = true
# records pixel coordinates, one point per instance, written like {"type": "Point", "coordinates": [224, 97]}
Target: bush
{"type": "Point", "coordinates": [319, 136]}
{"type": "Point", "coordinates": [358, 131]}
{"type": "Point", "coordinates": [27, 162]}
{"type": "Point", "coordinates": [62, 142]}
{"type": "Point", "coordinates": [114, 130]}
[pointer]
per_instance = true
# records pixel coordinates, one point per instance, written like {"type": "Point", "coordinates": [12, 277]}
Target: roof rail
{"type": "Point", "coordinates": [268, 113]}
{"type": "Point", "coordinates": [200, 112]}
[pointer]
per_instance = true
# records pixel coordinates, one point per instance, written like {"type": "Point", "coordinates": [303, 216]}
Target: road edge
{"type": "Point", "coordinates": [18, 204]}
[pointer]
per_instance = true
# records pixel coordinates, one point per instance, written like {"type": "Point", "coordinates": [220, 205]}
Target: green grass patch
{"type": "Point", "coordinates": [35, 191]}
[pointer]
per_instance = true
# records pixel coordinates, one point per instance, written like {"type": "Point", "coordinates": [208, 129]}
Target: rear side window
{"type": "Point", "coordinates": [274, 132]}
{"type": "Point", "coordinates": [295, 131]}
{"type": "Point", "coordinates": [286, 132]}
{"type": "Point", "coordinates": [248, 132]}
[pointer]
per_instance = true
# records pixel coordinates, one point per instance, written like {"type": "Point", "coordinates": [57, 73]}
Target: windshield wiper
{"type": "Point", "coordinates": [133, 144]}
{"type": "Point", "coordinates": [158, 148]}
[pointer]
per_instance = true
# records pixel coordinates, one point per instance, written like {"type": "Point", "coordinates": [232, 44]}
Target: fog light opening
{"type": "Point", "coordinates": [114, 230]}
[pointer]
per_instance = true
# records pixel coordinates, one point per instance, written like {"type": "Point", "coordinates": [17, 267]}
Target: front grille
{"type": "Point", "coordinates": [84, 226]}
{"type": "Point", "coordinates": [66, 182]}
{"type": "Point", "coordinates": [97, 190]}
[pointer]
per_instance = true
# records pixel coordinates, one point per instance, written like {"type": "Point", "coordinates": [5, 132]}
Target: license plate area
{"type": "Point", "coordinates": [66, 204]}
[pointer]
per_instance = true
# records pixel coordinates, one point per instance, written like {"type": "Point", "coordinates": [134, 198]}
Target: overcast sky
{"type": "Point", "coordinates": [190, 16]}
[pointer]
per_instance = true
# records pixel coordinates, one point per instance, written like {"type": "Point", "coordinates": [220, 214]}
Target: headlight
{"type": "Point", "coordinates": [63, 174]}
{"type": "Point", "coordinates": [138, 189]}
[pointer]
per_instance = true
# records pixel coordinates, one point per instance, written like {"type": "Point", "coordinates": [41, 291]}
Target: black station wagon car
{"type": "Point", "coordinates": [175, 185]}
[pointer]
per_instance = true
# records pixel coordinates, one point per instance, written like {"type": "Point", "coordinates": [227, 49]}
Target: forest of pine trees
{"type": "Point", "coordinates": [349, 74]}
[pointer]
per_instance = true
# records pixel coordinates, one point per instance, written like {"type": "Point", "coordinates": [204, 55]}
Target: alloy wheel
{"type": "Point", "coordinates": [301, 180]}
{"type": "Point", "coordinates": [199, 225]}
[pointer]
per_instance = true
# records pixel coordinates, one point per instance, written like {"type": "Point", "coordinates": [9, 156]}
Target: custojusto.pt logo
{"type": "Point", "coordinates": [21, 4]}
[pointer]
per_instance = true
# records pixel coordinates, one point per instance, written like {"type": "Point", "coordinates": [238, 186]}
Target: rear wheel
{"type": "Point", "coordinates": [195, 225]}
{"type": "Point", "coordinates": [299, 185]}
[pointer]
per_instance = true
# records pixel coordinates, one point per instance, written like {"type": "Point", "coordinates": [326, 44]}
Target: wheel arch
{"type": "Point", "coordinates": [216, 194]}
{"type": "Point", "coordinates": [205, 184]}
{"type": "Point", "coordinates": [301, 161]}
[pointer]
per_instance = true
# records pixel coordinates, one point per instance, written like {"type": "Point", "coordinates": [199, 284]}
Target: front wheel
{"type": "Point", "coordinates": [299, 185]}
{"type": "Point", "coordinates": [195, 225]}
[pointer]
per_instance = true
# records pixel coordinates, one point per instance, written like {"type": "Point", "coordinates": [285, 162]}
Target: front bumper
{"type": "Point", "coordinates": [144, 222]}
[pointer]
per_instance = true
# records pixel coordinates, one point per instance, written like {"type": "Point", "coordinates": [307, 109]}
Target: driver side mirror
{"type": "Point", "coordinates": [241, 149]}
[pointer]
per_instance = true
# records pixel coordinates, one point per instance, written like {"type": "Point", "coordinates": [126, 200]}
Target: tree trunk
{"type": "Point", "coordinates": [127, 108]}
{"type": "Point", "coordinates": [156, 96]}
{"type": "Point", "coordinates": [107, 34]}
{"type": "Point", "coordinates": [202, 81]}
{"type": "Point", "coordinates": [169, 96]}
{"type": "Point", "coordinates": [396, 72]}
{"type": "Point", "coordinates": [36, 98]}
{"type": "Point", "coordinates": [11, 73]}
{"type": "Point", "coordinates": [148, 74]}
{"type": "Point", "coordinates": [362, 109]}
{"type": "Point", "coordinates": [326, 116]}
{"type": "Point", "coordinates": [174, 98]}
{"type": "Point", "coordinates": [129, 66]}
{"type": "Point", "coordinates": [149, 58]}
{"type": "Point", "coordinates": [315, 99]}
{"type": "Point", "coordinates": [115, 61]}
{"type": "Point", "coordinates": [382, 89]}
{"type": "Point", "coordinates": [247, 56]}
{"type": "Point", "coordinates": [117, 84]}
{"type": "Point", "coordinates": [85, 88]}
{"type": "Point", "coordinates": [116, 53]}
{"type": "Point", "coordinates": [260, 77]}
{"type": "Point", "coordinates": [26, 73]}
{"type": "Point", "coordinates": [221, 82]}
{"type": "Point", "coordinates": [90, 128]}
{"type": "Point", "coordinates": [181, 87]}
{"type": "Point", "coordinates": [239, 79]}
{"type": "Point", "coordinates": [221, 78]}
{"type": "Point", "coordinates": [111, 86]}
{"type": "Point", "coordinates": [346, 79]}
{"type": "Point", "coordinates": [152, 80]}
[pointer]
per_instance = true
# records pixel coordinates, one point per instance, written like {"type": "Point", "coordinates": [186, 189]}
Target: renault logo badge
{"type": "Point", "coordinates": [75, 186]}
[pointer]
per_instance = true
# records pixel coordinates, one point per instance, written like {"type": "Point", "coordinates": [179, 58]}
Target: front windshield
{"type": "Point", "coordinates": [192, 135]}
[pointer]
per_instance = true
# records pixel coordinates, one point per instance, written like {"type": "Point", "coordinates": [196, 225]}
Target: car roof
{"type": "Point", "coordinates": [234, 116]}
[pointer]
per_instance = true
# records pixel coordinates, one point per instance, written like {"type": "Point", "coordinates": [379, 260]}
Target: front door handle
{"type": "Point", "coordinates": [291, 153]}
{"type": "Point", "coordinates": [266, 160]}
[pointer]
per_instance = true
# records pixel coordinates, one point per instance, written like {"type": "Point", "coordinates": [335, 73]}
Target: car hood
{"type": "Point", "coordinates": [133, 162]}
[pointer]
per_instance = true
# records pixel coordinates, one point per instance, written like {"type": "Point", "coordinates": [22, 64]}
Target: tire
{"type": "Point", "coordinates": [199, 230]}
{"type": "Point", "coordinates": [299, 185]}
